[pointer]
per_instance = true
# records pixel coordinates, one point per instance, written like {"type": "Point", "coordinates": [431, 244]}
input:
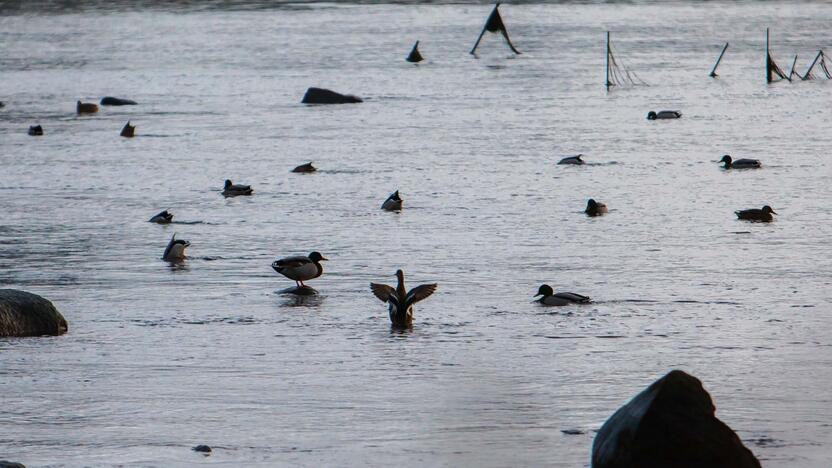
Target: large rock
{"type": "Point", "coordinates": [26, 314]}
{"type": "Point", "coordinates": [670, 424]}
{"type": "Point", "coordinates": [325, 96]}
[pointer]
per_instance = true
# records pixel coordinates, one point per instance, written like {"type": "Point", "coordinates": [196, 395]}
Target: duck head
{"type": "Point", "coordinates": [727, 160]}
{"type": "Point", "coordinates": [591, 205]}
{"type": "Point", "coordinates": [228, 184]}
{"type": "Point", "coordinates": [316, 257]}
{"type": "Point", "coordinates": [651, 115]}
{"type": "Point", "coordinates": [767, 209]}
{"type": "Point", "coordinates": [545, 290]}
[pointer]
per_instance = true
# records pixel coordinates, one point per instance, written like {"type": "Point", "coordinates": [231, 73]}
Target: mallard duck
{"type": "Point", "coordinates": [232, 190]}
{"type": "Point", "coordinates": [400, 301]}
{"type": "Point", "coordinates": [129, 131]}
{"type": "Point", "coordinates": [175, 249]}
{"type": "Point", "coordinates": [393, 202]}
{"type": "Point", "coordinates": [757, 214]}
{"type": "Point", "coordinates": [574, 160]}
{"type": "Point", "coordinates": [415, 56]}
{"type": "Point", "coordinates": [308, 167]}
{"type": "Point", "coordinates": [35, 130]}
{"type": "Point", "coordinates": [740, 163]}
{"type": "Point", "coordinates": [86, 108]}
{"type": "Point", "coordinates": [665, 114]}
{"type": "Point", "coordinates": [551, 299]}
{"type": "Point", "coordinates": [593, 208]}
{"type": "Point", "coordinates": [300, 268]}
{"type": "Point", "coordinates": [165, 217]}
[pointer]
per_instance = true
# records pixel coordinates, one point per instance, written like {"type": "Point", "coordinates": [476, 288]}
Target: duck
{"type": "Point", "coordinates": [176, 249]}
{"type": "Point", "coordinates": [549, 297]}
{"type": "Point", "coordinates": [665, 114]}
{"type": "Point", "coordinates": [165, 217]}
{"type": "Point", "coordinates": [232, 190]}
{"type": "Point", "coordinates": [305, 168]}
{"type": "Point", "coordinates": [86, 108]}
{"type": "Point", "coordinates": [393, 202]}
{"type": "Point", "coordinates": [763, 214]}
{"type": "Point", "coordinates": [740, 163]}
{"type": "Point", "coordinates": [414, 56]}
{"type": "Point", "coordinates": [129, 131]}
{"type": "Point", "coordinates": [574, 160]}
{"type": "Point", "coordinates": [300, 268]}
{"type": "Point", "coordinates": [593, 208]}
{"type": "Point", "coordinates": [35, 130]}
{"type": "Point", "coordinates": [400, 301]}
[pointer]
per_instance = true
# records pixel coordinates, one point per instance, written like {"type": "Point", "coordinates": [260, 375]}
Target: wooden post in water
{"type": "Point", "coordinates": [607, 77]}
{"type": "Point", "coordinates": [768, 60]}
{"type": "Point", "coordinates": [713, 72]}
{"type": "Point", "coordinates": [791, 73]}
{"type": "Point", "coordinates": [809, 70]}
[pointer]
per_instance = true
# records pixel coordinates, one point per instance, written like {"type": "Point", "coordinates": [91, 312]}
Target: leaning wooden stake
{"type": "Point", "coordinates": [607, 78]}
{"type": "Point", "coordinates": [713, 71]}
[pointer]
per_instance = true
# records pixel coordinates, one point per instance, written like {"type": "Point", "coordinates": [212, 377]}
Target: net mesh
{"type": "Point", "coordinates": [618, 74]}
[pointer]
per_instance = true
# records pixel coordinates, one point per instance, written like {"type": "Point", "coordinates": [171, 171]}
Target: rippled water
{"type": "Point", "coordinates": [161, 358]}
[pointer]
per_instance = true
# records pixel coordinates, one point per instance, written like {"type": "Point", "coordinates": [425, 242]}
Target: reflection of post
{"type": "Point", "coordinates": [713, 72]}
{"type": "Point", "coordinates": [607, 78]}
{"type": "Point", "coordinates": [808, 74]}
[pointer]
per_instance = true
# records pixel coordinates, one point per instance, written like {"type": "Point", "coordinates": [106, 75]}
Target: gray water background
{"type": "Point", "coordinates": [161, 358]}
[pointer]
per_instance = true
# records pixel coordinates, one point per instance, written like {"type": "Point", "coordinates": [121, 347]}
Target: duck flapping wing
{"type": "Point", "coordinates": [383, 292]}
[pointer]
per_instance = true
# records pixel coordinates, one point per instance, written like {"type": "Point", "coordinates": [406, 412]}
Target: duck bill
{"type": "Point", "coordinates": [324, 259]}
{"type": "Point", "coordinates": [773, 212]}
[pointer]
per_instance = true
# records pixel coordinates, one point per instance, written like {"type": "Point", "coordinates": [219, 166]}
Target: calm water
{"type": "Point", "coordinates": [160, 358]}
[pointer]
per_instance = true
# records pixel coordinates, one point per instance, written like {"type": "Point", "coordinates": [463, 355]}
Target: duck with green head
{"type": "Point", "coordinates": [550, 298]}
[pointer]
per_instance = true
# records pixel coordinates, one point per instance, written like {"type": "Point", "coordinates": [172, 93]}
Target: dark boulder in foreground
{"type": "Point", "coordinates": [670, 424]}
{"type": "Point", "coordinates": [325, 96]}
{"type": "Point", "coordinates": [27, 314]}
{"type": "Point", "coordinates": [8, 464]}
{"type": "Point", "coordinates": [114, 101]}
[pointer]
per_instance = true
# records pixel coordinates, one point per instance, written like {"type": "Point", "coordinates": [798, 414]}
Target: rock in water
{"type": "Point", "coordinates": [114, 101]}
{"type": "Point", "coordinates": [8, 464]}
{"type": "Point", "coordinates": [202, 448]}
{"type": "Point", "coordinates": [670, 424]}
{"type": "Point", "coordinates": [26, 314]}
{"type": "Point", "coordinates": [325, 96]}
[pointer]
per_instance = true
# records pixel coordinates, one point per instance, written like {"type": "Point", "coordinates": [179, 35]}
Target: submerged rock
{"type": "Point", "coordinates": [299, 291]}
{"type": "Point", "coordinates": [8, 464]}
{"type": "Point", "coordinates": [325, 96]}
{"type": "Point", "coordinates": [114, 101]}
{"type": "Point", "coordinates": [27, 314]}
{"type": "Point", "coordinates": [670, 424]}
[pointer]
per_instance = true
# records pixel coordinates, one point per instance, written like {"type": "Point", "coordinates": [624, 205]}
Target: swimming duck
{"type": "Point", "coordinates": [593, 208]}
{"type": "Point", "coordinates": [415, 56]}
{"type": "Point", "coordinates": [86, 108]}
{"type": "Point", "coordinates": [164, 217]}
{"type": "Point", "coordinates": [740, 163]}
{"type": "Point", "coordinates": [575, 160]}
{"type": "Point", "coordinates": [393, 202]}
{"type": "Point", "coordinates": [304, 168]}
{"type": "Point", "coordinates": [400, 301]}
{"type": "Point", "coordinates": [35, 130]}
{"type": "Point", "coordinates": [663, 115]}
{"type": "Point", "coordinates": [551, 299]}
{"type": "Point", "coordinates": [232, 190]}
{"type": "Point", "coordinates": [129, 131]}
{"type": "Point", "coordinates": [757, 214]}
{"type": "Point", "coordinates": [175, 249]}
{"type": "Point", "coordinates": [300, 268]}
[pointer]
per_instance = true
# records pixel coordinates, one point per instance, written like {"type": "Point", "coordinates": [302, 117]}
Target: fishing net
{"type": "Point", "coordinates": [820, 62]}
{"type": "Point", "coordinates": [617, 73]}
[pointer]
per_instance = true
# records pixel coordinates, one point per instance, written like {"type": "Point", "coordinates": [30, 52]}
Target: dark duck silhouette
{"type": "Point", "coordinates": [400, 301]}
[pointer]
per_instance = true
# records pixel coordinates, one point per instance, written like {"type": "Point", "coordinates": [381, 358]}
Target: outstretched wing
{"type": "Point", "coordinates": [382, 291]}
{"type": "Point", "coordinates": [420, 292]}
